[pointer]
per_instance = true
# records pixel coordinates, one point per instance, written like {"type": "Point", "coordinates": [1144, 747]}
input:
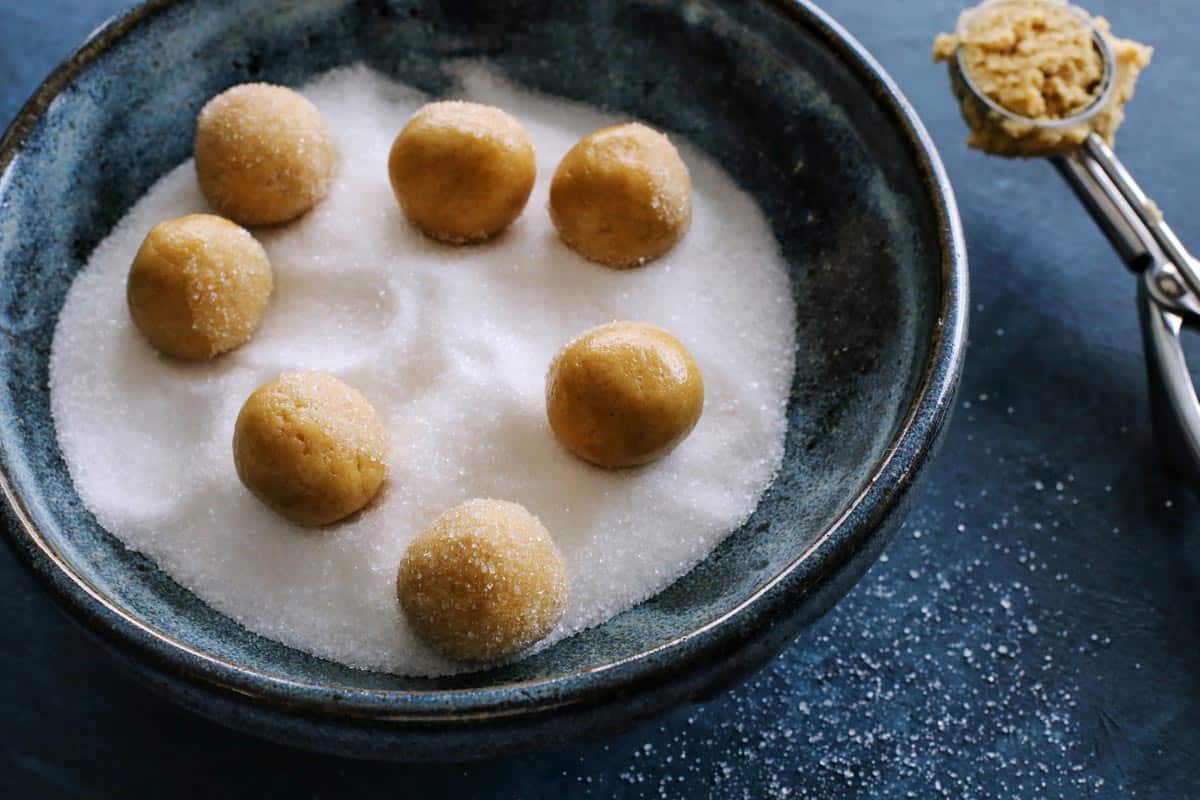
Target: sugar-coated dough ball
{"type": "Point", "coordinates": [198, 286]}
{"type": "Point", "coordinates": [462, 172]}
{"type": "Point", "coordinates": [622, 196]}
{"type": "Point", "coordinates": [310, 447]}
{"type": "Point", "coordinates": [623, 394]}
{"type": "Point", "coordinates": [263, 154]}
{"type": "Point", "coordinates": [484, 581]}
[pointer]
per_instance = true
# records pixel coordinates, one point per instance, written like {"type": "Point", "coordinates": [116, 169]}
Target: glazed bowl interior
{"type": "Point", "coordinates": [797, 125]}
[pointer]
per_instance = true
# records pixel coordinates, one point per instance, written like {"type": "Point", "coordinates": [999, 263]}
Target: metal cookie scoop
{"type": "Point", "coordinates": [1169, 286]}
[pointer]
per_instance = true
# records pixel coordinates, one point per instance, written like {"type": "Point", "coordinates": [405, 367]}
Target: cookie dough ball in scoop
{"type": "Point", "coordinates": [622, 196]}
{"type": "Point", "coordinates": [484, 581]}
{"type": "Point", "coordinates": [263, 154]}
{"type": "Point", "coordinates": [310, 447]}
{"type": "Point", "coordinates": [198, 286]}
{"type": "Point", "coordinates": [462, 172]}
{"type": "Point", "coordinates": [623, 394]}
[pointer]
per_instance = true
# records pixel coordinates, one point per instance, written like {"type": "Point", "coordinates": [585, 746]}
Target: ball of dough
{"type": "Point", "coordinates": [484, 581]}
{"type": "Point", "coordinates": [623, 394]}
{"type": "Point", "coordinates": [462, 172]}
{"type": "Point", "coordinates": [622, 196]}
{"type": "Point", "coordinates": [198, 286]}
{"type": "Point", "coordinates": [263, 154]}
{"type": "Point", "coordinates": [310, 447]}
{"type": "Point", "coordinates": [1039, 60]}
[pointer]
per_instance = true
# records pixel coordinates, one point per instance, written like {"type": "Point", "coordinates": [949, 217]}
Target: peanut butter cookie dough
{"type": "Point", "coordinates": [1036, 58]}
{"type": "Point", "coordinates": [310, 447]}
{"type": "Point", "coordinates": [462, 172]}
{"type": "Point", "coordinates": [622, 196]}
{"type": "Point", "coordinates": [484, 581]}
{"type": "Point", "coordinates": [623, 394]}
{"type": "Point", "coordinates": [263, 154]}
{"type": "Point", "coordinates": [198, 286]}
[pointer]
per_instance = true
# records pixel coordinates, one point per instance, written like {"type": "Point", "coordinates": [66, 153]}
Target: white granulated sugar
{"type": "Point", "coordinates": [451, 346]}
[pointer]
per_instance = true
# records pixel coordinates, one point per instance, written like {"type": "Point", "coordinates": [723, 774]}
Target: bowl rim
{"type": "Point", "coordinates": [890, 479]}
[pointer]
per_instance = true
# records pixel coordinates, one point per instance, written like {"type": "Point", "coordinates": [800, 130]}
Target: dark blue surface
{"type": "Point", "coordinates": [1018, 640]}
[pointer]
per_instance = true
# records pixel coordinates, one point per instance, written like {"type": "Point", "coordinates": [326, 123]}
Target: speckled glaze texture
{"type": "Point", "coordinates": [794, 110]}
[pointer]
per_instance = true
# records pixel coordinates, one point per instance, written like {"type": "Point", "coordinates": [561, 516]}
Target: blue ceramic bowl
{"type": "Point", "coordinates": [798, 113]}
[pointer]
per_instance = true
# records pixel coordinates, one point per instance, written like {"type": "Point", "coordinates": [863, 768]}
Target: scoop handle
{"type": "Point", "coordinates": [1095, 152]}
{"type": "Point", "coordinates": [1109, 208]}
{"type": "Point", "coordinates": [1173, 401]}
{"type": "Point", "coordinates": [1167, 294]}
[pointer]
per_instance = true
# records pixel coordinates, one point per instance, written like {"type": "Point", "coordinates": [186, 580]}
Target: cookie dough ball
{"type": "Point", "coordinates": [484, 581]}
{"type": "Point", "coordinates": [623, 394]}
{"type": "Point", "coordinates": [462, 172]}
{"type": "Point", "coordinates": [310, 447]}
{"type": "Point", "coordinates": [622, 196]}
{"type": "Point", "coordinates": [263, 154]}
{"type": "Point", "coordinates": [1037, 59]}
{"type": "Point", "coordinates": [198, 286]}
